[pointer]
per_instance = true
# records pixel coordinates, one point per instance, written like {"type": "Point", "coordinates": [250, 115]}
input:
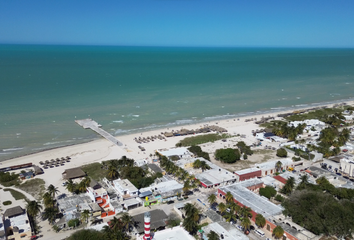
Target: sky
{"type": "Point", "coordinates": [202, 23]}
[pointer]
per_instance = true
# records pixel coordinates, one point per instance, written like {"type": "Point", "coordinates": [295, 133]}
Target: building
{"type": "Point", "coordinates": [347, 167]}
{"type": "Point", "coordinates": [269, 167]}
{"type": "Point", "coordinates": [125, 188]}
{"type": "Point", "coordinates": [16, 224]}
{"type": "Point", "coordinates": [248, 173]}
{"type": "Point", "coordinates": [164, 189]}
{"type": "Point", "coordinates": [73, 173]}
{"type": "Point", "coordinates": [215, 177]}
{"type": "Point", "coordinates": [181, 152]}
{"type": "Point", "coordinates": [2, 230]}
{"type": "Point", "coordinates": [158, 220]}
{"type": "Point", "coordinates": [155, 169]}
{"type": "Point", "coordinates": [224, 229]}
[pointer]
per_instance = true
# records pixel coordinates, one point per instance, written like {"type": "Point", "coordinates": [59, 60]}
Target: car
{"type": "Point", "coordinates": [268, 239]}
{"type": "Point", "coordinates": [240, 227]}
{"type": "Point", "coordinates": [64, 184]}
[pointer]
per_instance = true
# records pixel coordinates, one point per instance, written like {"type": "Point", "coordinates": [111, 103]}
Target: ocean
{"type": "Point", "coordinates": [133, 89]}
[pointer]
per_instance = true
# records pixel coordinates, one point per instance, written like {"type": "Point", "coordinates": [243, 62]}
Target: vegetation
{"type": "Point", "coordinates": [260, 220]}
{"type": "Point", "coordinates": [201, 164]}
{"type": "Point", "coordinates": [289, 186]}
{"type": "Point", "coordinates": [88, 234]}
{"type": "Point", "coordinates": [212, 198]}
{"type": "Point", "coordinates": [213, 235]}
{"type": "Point", "coordinates": [74, 223]}
{"type": "Point", "coordinates": [227, 155]}
{"type": "Point", "coordinates": [279, 198]}
{"type": "Point", "coordinates": [268, 192]}
{"type": "Point", "coordinates": [33, 208]}
{"type": "Point", "coordinates": [95, 171]}
{"type": "Point", "coordinates": [196, 150]}
{"type": "Point", "coordinates": [332, 137]}
{"type": "Point", "coordinates": [191, 219]}
{"type": "Point", "coordinates": [17, 195]}
{"type": "Point", "coordinates": [278, 232]}
{"type": "Point", "coordinates": [8, 179]}
{"type": "Point", "coordinates": [281, 152]}
{"type": "Point", "coordinates": [173, 220]}
{"type": "Point", "coordinates": [282, 129]}
{"type": "Point", "coordinates": [7, 203]}
{"type": "Point", "coordinates": [34, 187]}
{"type": "Point", "coordinates": [50, 213]}
{"type": "Point", "coordinates": [244, 149]}
{"type": "Point", "coordinates": [321, 114]}
{"type": "Point", "coordinates": [196, 140]}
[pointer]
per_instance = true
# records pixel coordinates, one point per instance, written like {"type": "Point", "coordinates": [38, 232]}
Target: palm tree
{"type": "Point", "coordinates": [260, 220]}
{"type": "Point", "coordinates": [196, 163]}
{"type": "Point", "coordinates": [278, 232]}
{"type": "Point", "coordinates": [51, 214]}
{"type": "Point", "coordinates": [112, 172]}
{"type": "Point", "coordinates": [33, 208]}
{"type": "Point", "coordinates": [82, 186]}
{"type": "Point", "coordinates": [126, 220]}
{"type": "Point", "coordinates": [213, 235]}
{"type": "Point", "coordinates": [70, 186]}
{"type": "Point", "coordinates": [245, 212]}
{"type": "Point", "coordinates": [48, 199]}
{"type": "Point", "coordinates": [186, 187]}
{"type": "Point", "coordinates": [204, 166]}
{"type": "Point", "coordinates": [278, 166]}
{"type": "Point", "coordinates": [192, 211]}
{"type": "Point", "coordinates": [229, 197]}
{"type": "Point", "coordinates": [52, 190]}
{"type": "Point", "coordinates": [85, 215]}
{"type": "Point", "coordinates": [116, 225]}
{"type": "Point", "coordinates": [212, 198]}
{"type": "Point", "coordinates": [222, 208]}
{"type": "Point", "coordinates": [87, 181]}
{"type": "Point", "coordinates": [190, 225]}
{"type": "Point", "coordinates": [230, 216]}
{"type": "Point", "coordinates": [246, 223]}
{"type": "Point", "coordinates": [234, 207]}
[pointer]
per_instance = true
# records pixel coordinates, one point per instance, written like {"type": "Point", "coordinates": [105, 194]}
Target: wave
{"type": "Point", "coordinates": [135, 116]}
{"type": "Point", "coordinates": [118, 121]}
{"type": "Point", "coordinates": [59, 142]}
{"type": "Point", "coordinates": [173, 113]}
{"type": "Point", "coordinates": [12, 149]}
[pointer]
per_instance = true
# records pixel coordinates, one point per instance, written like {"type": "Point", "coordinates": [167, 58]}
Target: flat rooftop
{"type": "Point", "coordinates": [257, 203]}
{"type": "Point", "coordinates": [271, 164]}
{"type": "Point", "coordinates": [71, 203]}
{"type": "Point", "coordinates": [174, 151]}
{"type": "Point", "coordinates": [124, 185]}
{"type": "Point", "coordinates": [176, 233]}
{"type": "Point", "coordinates": [229, 231]}
{"type": "Point", "coordinates": [247, 170]}
{"type": "Point", "coordinates": [214, 176]}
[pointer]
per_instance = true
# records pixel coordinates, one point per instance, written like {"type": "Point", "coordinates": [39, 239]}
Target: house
{"type": "Point", "coordinates": [215, 177]}
{"type": "Point", "coordinates": [155, 169]}
{"type": "Point", "coordinates": [157, 220]}
{"type": "Point", "coordinates": [125, 188]}
{"type": "Point", "coordinates": [269, 167]}
{"type": "Point", "coordinates": [26, 175]}
{"type": "Point", "coordinates": [73, 173]}
{"type": "Point", "coordinates": [224, 229]}
{"type": "Point", "coordinates": [181, 152]}
{"type": "Point", "coordinates": [16, 224]}
{"type": "Point", "coordinates": [175, 233]}
{"type": "Point", "coordinates": [248, 174]}
{"type": "Point", "coordinates": [2, 230]}
{"type": "Point", "coordinates": [164, 189]}
{"type": "Point", "coordinates": [37, 170]}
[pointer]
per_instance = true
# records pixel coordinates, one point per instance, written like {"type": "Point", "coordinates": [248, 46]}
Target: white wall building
{"type": "Point", "coordinates": [269, 167]}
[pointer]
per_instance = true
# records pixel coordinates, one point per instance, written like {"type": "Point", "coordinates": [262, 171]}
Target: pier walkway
{"type": "Point", "coordinates": [94, 126]}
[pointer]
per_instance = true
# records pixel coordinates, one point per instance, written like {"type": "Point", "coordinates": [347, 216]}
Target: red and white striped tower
{"type": "Point", "coordinates": [147, 226]}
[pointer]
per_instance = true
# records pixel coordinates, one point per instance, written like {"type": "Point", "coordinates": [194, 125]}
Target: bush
{"type": "Point", "coordinates": [74, 222]}
{"type": "Point", "coordinates": [281, 152]}
{"type": "Point", "coordinates": [196, 150]}
{"type": "Point", "coordinates": [245, 156]}
{"type": "Point", "coordinates": [296, 159]}
{"type": "Point", "coordinates": [195, 140]}
{"type": "Point", "coordinates": [7, 203]}
{"type": "Point", "coordinates": [227, 155]}
{"type": "Point", "coordinates": [279, 198]}
{"type": "Point", "coordinates": [268, 192]}
{"type": "Point", "coordinates": [244, 148]}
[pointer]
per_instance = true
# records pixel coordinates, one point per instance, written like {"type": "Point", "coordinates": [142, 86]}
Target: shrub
{"type": "Point", "coordinates": [7, 203]}
{"type": "Point", "coordinates": [296, 159]}
{"type": "Point", "coordinates": [281, 152]}
{"type": "Point", "coordinates": [227, 155]}
{"type": "Point", "coordinates": [279, 198]}
{"type": "Point", "coordinates": [268, 192]}
{"type": "Point", "coordinates": [74, 222]}
{"type": "Point", "coordinates": [245, 156]}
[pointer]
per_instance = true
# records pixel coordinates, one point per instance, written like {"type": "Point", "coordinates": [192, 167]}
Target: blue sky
{"type": "Point", "coordinates": [224, 23]}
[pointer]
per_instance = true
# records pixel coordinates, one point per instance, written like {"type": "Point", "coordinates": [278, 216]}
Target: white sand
{"type": "Point", "coordinates": [99, 150]}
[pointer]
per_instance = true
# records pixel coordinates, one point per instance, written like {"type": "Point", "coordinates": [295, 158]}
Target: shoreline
{"type": "Point", "coordinates": [190, 122]}
{"type": "Point", "coordinates": [130, 148]}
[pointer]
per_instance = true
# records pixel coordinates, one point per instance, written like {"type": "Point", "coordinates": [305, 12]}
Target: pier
{"type": "Point", "coordinates": [94, 126]}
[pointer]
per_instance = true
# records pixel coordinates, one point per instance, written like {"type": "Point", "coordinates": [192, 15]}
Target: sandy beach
{"type": "Point", "coordinates": [100, 150]}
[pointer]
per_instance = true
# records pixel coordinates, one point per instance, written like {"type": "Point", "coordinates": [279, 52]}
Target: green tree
{"type": "Point", "coordinates": [85, 215]}
{"type": "Point", "coordinates": [234, 207]}
{"type": "Point", "coordinates": [229, 197]}
{"type": "Point", "coordinates": [246, 223]}
{"type": "Point", "coordinates": [112, 172]}
{"type": "Point", "coordinates": [213, 235]}
{"type": "Point", "coordinates": [196, 163]}
{"type": "Point", "coordinates": [70, 186]}
{"type": "Point", "coordinates": [278, 232]}
{"type": "Point", "coordinates": [52, 190]}
{"type": "Point", "coordinates": [50, 213]}
{"type": "Point", "coordinates": [74, 223]}
{"type": "Point", "coordinates": [260, 220]}
{"type": "Point", "coordinates": [48, 199]}
{"type": "Point", "coordinates": [281, 152]}
{"type": "Point", "coordinates": [212, 198]}
{"type": "Point", "coordinates": [289, 186]}
{"type": "Point", "coordinates": [227, 155]}
{"type": "Point", "coordinates": [186, 187]}
{"type": "Point", "coordinates": [230, 216]}
{"type": "Point", "coordinates": [278, 165]}
{"type": "Point", "coordinates": [204, 166]}
{"type": "Point", "coordinates": [222, 208]}
{"type": "Point", "coordinates": [33, 208]}
{"type": "Point", "coordinates": [116, 225]}
{"type": "Point", "coordinates": [88, 234]}
{"type": "Point", "coordinates": [245, 212]}
{"type": "Point", "coordinates": [268, 192]}
{"type": "Point", "coordinates": [127, 221]}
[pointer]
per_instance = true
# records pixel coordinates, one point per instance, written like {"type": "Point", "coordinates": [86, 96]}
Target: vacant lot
{"type": "Point", "coordinates": [34, 187]}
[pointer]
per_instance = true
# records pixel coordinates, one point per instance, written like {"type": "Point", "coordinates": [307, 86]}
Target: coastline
{"type": "Point", "coordinates": [100, 149]}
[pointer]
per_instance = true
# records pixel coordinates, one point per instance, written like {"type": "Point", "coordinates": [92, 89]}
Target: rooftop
{"type": "Point", "coordinates": [229, 231]}
{"type": "Point", "coordinates": [14, 211]}
{"type": "Point", "coordinates": [246, 197]}
{"type": "Point", "coordinates": [72, 173]}
{"type": "Point", "coordinates": [158, 218]}
{"type": "Point", "coordinates": [176, 233]}
{"type": "Point", "coordinates": [271, 164]}
{"type": "Point", "coordinates": [174, 151]}
{"type": "Point", "coordinates": [215, 176]}
{"type": "Point", "coordinates": [73, 202]}
{"type": "Point", "coordinates": [124, 185]}
{"type": "Point", "coordinates": [155, 168]}
{"type": "Point", "coordinates": [247, 170]}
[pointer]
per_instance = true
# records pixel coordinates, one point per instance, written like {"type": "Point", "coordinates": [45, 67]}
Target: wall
{"type": "Point", "coordinates": [250, 175]}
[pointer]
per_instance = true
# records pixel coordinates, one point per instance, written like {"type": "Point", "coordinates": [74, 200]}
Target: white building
{"type": "Point", "coordinates": [125, 188]}
{"type": "Point", "coordinates": [224, 229]}
{"type": "Point", "coordinates": [16, 224]}
{"type": "Point", "coordinates": [310, 124]}
{"type": "Point", "coordinates": [215, 177]}
{"type": "Point", "coordinates": [269, 167]}
{"type": "Point", "coordinates": [347, 167]}
{"type": "Point", "coordinates": [181, 152]}
{"type": "Point", "coordinates": [175, 233]}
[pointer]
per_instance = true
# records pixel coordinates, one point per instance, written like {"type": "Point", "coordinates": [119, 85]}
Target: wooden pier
{"type": "Point", "coordinates": [94, 126]}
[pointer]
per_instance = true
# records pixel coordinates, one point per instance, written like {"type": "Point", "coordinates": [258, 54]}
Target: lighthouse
{"type": "Point", "coordinates": [147, 226]}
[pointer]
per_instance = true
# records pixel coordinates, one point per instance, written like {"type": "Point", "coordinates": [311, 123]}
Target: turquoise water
{"type": "Point", "coordinates": [129, 89]}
